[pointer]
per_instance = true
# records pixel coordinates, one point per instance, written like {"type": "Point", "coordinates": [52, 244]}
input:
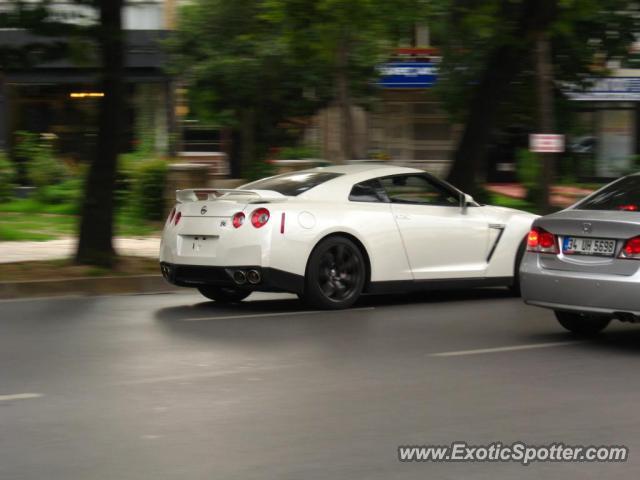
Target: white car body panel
{"type": "Point", "coordinates": [403, 242]}
{"type": "Point", "coordinates": [430, 232]}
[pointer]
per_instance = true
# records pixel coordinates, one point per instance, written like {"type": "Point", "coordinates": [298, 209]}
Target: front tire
{"type": "Point", "coordinates": [335, 274]}
{"type": "Point", "coordinates": [223, 294]}
{"type": "Point", "coordinates": [581, 323]}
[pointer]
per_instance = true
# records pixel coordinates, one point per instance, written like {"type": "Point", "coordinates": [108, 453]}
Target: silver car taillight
{"type": "Point", "coordinates": [631, 249]}
{"type": "Point", "coordinates": [541, 241]}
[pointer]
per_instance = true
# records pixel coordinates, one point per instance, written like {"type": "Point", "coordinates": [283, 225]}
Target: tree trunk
{"type": "Point", "coordinates": [546, 116]}
{"type": "Point", "coordinates": [95, 245]}
{"type": "Point", "coordinates": [344, 101]}
{"type": "Point", "coordinates": [248, 140]}
{"type": "Point", "coordinates": [503, 66]}
{"type": "Point", "coordinates": [467, 172]}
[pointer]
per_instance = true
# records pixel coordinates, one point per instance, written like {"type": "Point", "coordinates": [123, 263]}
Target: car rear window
{"type": "Point", "coordinates": [292, 184]}
{"type": "Point", "coordinates": [370, 191]}
{"type": "Point", "coordinates": [623, 195]}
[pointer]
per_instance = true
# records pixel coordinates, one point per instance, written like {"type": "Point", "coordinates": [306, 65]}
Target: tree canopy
{"type": "Point", "coordinates": [254, 63]}
{"type": "Point", "coordinates": [488, 50]}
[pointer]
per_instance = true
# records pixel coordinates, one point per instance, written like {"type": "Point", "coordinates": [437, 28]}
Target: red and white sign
{"type": "Point", "coordinates": [546, 143]}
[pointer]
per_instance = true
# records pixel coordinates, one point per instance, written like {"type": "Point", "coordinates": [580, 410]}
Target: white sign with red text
{"type": "Point", "coordinates": [546, 143]}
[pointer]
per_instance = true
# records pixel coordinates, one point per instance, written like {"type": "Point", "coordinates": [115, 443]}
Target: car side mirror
{"type": "Point", "coordinates": [465, 201]}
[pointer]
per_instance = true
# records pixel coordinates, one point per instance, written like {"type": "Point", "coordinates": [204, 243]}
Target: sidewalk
{"type": "Point", "coordinates": [65, 248]}
{"type": "Point", "coordinates": [561, 195]}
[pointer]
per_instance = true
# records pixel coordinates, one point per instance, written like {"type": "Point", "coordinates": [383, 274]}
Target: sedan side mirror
{"type": "Point", "coordinates": [465, 201]}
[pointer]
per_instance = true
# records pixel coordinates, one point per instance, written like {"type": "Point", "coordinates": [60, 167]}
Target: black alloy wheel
{"type": "Point", "coordinates": [335, 275]}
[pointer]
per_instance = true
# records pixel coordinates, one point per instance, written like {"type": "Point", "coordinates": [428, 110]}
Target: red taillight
{"type": "Point", "coordinates": [171, 215]}
{"type": "Point", "coordinates": [238, 220]}
{"type": "Point", "coordinates": [547, 240]}
{"type": "Point", "coordinates": [541, 241]}
{"type": "Point", "coordinates": [628, 208]}
{"type": "Point", "coordinates": [631, 249]}
{"type": "Point", "coordinates": [178, 217]}
{"type": "Point", "coordinates": [260, 217]}
{"type": "Point", "coordinates": [282, 223]}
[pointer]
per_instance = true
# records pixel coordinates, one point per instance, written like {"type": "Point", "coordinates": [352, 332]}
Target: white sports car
{"type": "Point", "coordinates": [331, 234]}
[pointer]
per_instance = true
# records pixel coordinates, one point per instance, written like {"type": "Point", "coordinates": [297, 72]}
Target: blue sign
{"type": "Point", "coordinates": [610, 88]}
{"type": "Point", "coordinates": [408, 75]}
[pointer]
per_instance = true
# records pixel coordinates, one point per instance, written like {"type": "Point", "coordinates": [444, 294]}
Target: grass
{"type": "Point", "coordinates": [30, 205]}
{"type": "Point", "coordinates": [10, 233]}
{"type": "Point", "coordinates": [65, 269]}
{"type": "Point", "coordinates": [22, 225]}
{"type": "Point", "coordinates": [509, 202]}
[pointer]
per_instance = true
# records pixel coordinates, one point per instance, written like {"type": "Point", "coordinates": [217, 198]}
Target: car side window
{"type": "Point", "coordinates": [369, 191]}
{"type": "Point", "coordinates": [419, 189]}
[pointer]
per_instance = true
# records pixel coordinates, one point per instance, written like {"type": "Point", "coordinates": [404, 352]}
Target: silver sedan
{"type": "Point", "coordinates": [583, 262]}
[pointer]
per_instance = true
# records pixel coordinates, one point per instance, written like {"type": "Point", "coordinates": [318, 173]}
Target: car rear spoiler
{"type": "Point", "coordinates": [196, 194]}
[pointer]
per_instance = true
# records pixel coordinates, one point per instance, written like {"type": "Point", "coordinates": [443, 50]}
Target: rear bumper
{"type": "Point", "coordinates": [271, 279]}
{"type": "Point", "coordinates": [578, 291]}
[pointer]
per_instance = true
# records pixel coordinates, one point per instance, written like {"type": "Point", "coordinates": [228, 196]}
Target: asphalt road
{"type": "Point", "coordinates": [175, 387]}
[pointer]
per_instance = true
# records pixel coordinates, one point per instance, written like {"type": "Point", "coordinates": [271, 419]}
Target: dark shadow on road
{"type": "Point", "coordinates": [257, 322]}
{"type": "Point", "coordinates": [436, 296]}
{"type": "Point", "coordinates": [622, 338]}
{"type": "Point", "coordinates": [213, 309]}
{"type": "Point", "coordinates": [619, 337]}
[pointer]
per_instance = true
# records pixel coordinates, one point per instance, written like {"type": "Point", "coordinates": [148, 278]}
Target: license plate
{"type": "Point", "coordinates": [198, 245]}
{"type": "Point", "coordinates": [588, 246]}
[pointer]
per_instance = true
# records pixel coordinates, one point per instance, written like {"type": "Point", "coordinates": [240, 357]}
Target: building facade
{"type": "Point", "coordinates": [605, 136]}
{"type": "Point", "coordinates": [60, 97]}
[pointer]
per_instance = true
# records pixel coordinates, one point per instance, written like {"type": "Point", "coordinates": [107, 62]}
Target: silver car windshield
{"type": "Point", "coordinates": [622, 195]}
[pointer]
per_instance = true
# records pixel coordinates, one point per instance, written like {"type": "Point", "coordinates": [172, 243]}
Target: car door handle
{"type": "Point", "coordinates": [402, 217]}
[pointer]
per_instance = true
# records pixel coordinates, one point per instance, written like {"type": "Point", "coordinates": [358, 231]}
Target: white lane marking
{"type": "Point", "coordinates": [19, 396]}
{"type": "Point", "coordinates": [503, 349]}
{"type": "Point", "coordinates": [279, 314]}
{"type": "Point", "coordinates": [49, 297]}
{"type": "Point", "coordinates": [188, 377]}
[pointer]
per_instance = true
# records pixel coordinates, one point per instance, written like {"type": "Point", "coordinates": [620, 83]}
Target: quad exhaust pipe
{"type": "Point", "coordinates": [241, 277]}
{"type": "Point", "coordinates": [254, 277]}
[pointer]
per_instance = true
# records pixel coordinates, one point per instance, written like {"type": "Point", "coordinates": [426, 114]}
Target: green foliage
{"type": "Point", "coordinates": [34, 205]}
{"type": "Point", "coordinates": [253, 63]}
{"type": "Point", "coordinates": [44, 223]}
{"type": "Point", "coordinates": [529, 172]}
{"type": "Point", "coordinates": [147, 194]}
{"type": "Point", "coordinates": [298, 153]}
{"type": "Point", "coordinates": [317, 31]}
{"type": "Point", "coordinates": [516, 203]}
{"type": "Point", "coordinates": [43, 168]}
{"type": "Point", "coordinates": [9, 233]}
{"type": "Point", "coordinates": [7, 177]}
{"type": "Point", "coordinates": [66, 195]}
{"type": "Point", "coordinates": [584, 35]}
{"type": "Point", "coordinates": [260, 169]}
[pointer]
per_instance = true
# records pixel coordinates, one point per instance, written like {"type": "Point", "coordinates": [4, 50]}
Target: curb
{"type": "Point", "coordinates": [86, 286]}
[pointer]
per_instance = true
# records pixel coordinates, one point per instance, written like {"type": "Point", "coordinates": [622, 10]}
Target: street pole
{"type": "Point", "coordinates": [546, 114]}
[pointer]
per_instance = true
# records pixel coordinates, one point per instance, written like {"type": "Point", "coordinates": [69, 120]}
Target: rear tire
{"type": "Point", "coordinates": [515, 286]}
{"type": "Point", "coordinates": [336, 274]}
{"type": "Point", "coordinates": [582, 324]}
{"type": "Point", "coordinates": [224, 294]}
